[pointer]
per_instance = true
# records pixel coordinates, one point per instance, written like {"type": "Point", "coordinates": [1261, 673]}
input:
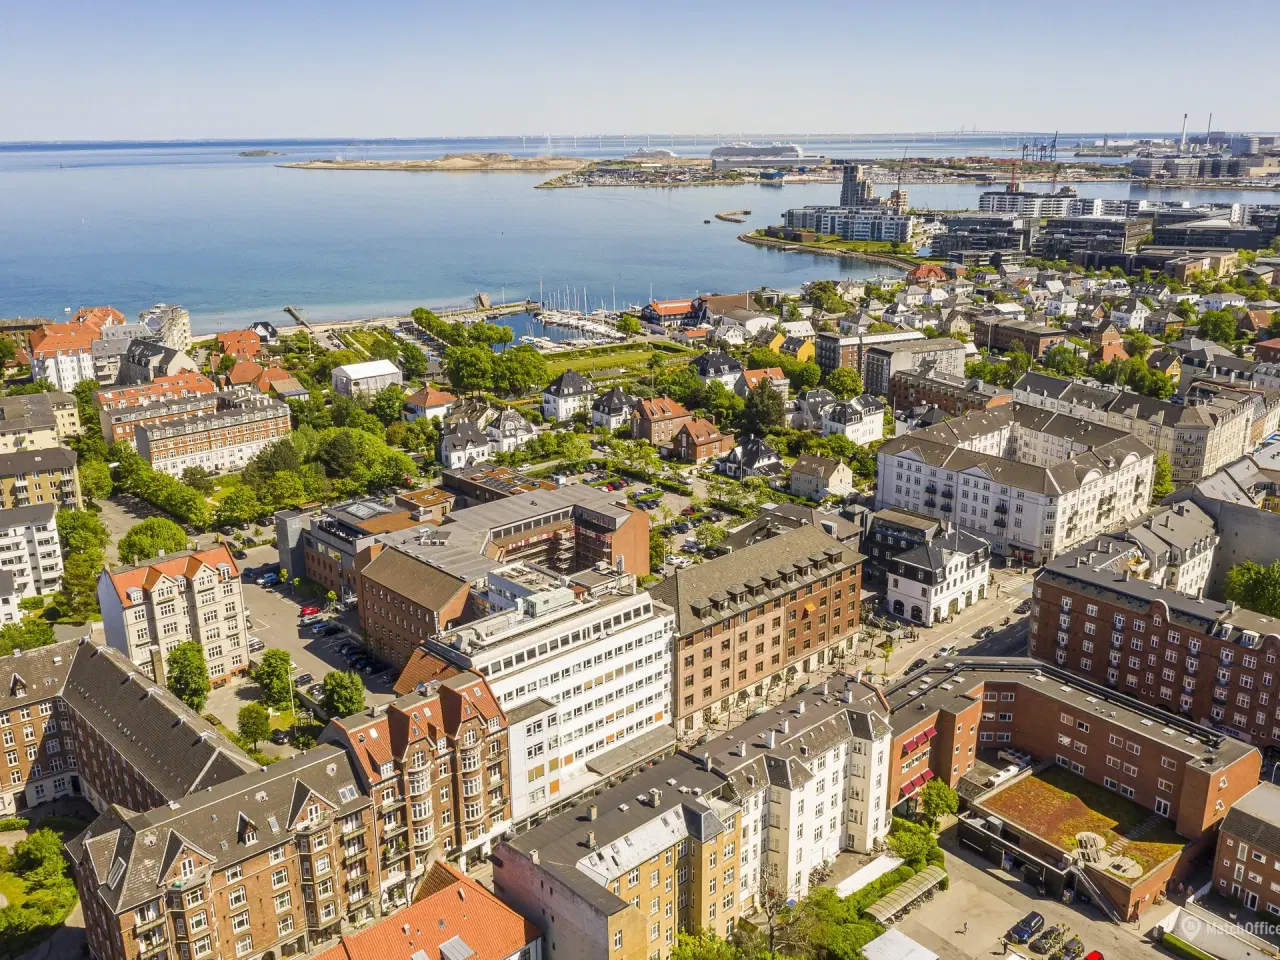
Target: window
{"type": "Point", "coordinates": [236, 898]}
{"type": "Point", "coordinates": [617, 940]}
{"type": "Point", "coordinates": [202, 946]}
{"type": "Point", "coordinates": [285, 926]}
{"type": "Point", "coordinates": [283, 902]}
{"type": "Point", "coordinates": [275, 855]}
{"type": "Point", "coordinates": [235, 873]}
{"type": "Point", "coordinates": [279, 877]}
{"type": "Point", "coordinates": [244, 945]}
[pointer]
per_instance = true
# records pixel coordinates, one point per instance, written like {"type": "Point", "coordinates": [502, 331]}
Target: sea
{"type": "Point", "coordinates": [236, 239]}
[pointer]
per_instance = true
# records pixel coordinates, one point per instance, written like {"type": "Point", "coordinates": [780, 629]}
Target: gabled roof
{"type": "Point", "coordinates": [416, 581]}
{"type": "Point", "coordinates": [811, 465]}
{"type": "Point", "coordinates": [429, 397]}
{"type": "Point", "coordinates": [753, 377]}
{"type": "Point", "coordinates": [660, 408]}
{"type": "Point", "coordinates": [569, 384]}
{"type": "Point", "coordinates": [671, 308]}
{"type": "Point", "coordinates": [615, 402]}
{"type": "Point", "coordinates": [701, 431]}
{"type": "Point", "coordinates": [186, 564]}
{"type": "Point", "coordinates": [369, 368]}
{"type": "Point", "coordinates": [715, 363]}
{"type": "Point", "coordinates": [461, 435]}
{"type": "Point", "coordinates": [244, 371]}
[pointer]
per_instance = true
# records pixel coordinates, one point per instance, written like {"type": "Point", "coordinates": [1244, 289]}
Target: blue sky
{"type": "Point", "coordinates": [136, 69]}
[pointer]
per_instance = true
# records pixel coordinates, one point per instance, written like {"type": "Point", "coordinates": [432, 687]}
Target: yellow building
{"type": "Point", "coordinates": [28, 477]}
{"type": "Point", "coordinates": [618, 878]}
{"type": "Point", "coordinates": [798, 347]}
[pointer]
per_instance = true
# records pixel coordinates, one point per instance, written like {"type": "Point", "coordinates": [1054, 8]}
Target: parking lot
{"type": "Point", "coordinates": [991, 901]}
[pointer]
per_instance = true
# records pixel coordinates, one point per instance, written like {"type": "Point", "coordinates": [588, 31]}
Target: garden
{"type": "Point", "coordinates": [35, 882]}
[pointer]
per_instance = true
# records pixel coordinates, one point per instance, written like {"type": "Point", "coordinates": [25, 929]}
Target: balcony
{"type": "Point", "coordinates": [142, 925]}
{"type": "Point", "coordinates": [1000, 522]}
{"type": "Point", "coordinates": [931, 488]}
{"type": "Point", "coordinates": [394, 830]}
{"type": "Point", "coordinates": [352, 829]}
{"type": "Point", "coordinates": [357, 853]}
{"type": "Point", "coordinates": [1002, 508]}
{"type": "Point", "coordinates": [359, 898]}
{"type": "Point", "coordinates": [948, 492]}
{"type": "Point", "coordinates": [394, 853]}
{"type": "Point", "coordinates": [1062, 642]}
{"type": "Point", "coordinates": [931, 502]}
{"type": "Point", "coordinates": [1219, 695]}
{"type": "Point", "coordinates": [390, 803]}
{"type": "Point", "coordinates": [946, 508]}
{"type": "Point", "coordinates": [152, 947]}
{"type": "Point", "coordinates": [1193, 666]}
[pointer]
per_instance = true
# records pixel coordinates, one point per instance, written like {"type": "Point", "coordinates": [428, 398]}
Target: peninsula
{"type": "Point", "coordinates": [450, 163]}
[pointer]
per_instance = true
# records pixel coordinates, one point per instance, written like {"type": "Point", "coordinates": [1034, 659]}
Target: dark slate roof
{"type": "Point", "coordinates": [716, 363]}
{"type": "Point", "coordinates": [27, 461]}
{"type": "Point", "coordinates": [933, 554]}
{"type": "Point", "coordinates": [462, 435]}
{"type": "Point", "coordinates": [568, 384]}
{"type": "Point", "coordinates": [752, 453]}
{"type": "Point", "coordinates": [1255, 818]}
{"type": "Point", "coordinates": [613, 403]}
{"type": "Point", "coordinates": [171, 746]}
{"type": "Point", "coordinates": [31, 675]}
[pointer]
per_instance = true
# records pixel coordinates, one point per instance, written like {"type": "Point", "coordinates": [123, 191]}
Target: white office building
{"type": "Point", "coordinates": [938, 579]}
{"type": "Point", "coordinates": [29, 549]}
{"type": "Point", "coordinates": [860, 419]}
{"type": "Point", "coordinates": [582, 667]}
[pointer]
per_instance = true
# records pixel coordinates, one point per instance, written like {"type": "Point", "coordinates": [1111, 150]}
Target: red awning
{"type": "Point", "coordinates": [906, 788]}
{"type": "Point", "coordinates": [927, 776]}
{"type": "Point", "coordinates": [908, 746]}
{"type": "Point", "coordinates": [930, 733]}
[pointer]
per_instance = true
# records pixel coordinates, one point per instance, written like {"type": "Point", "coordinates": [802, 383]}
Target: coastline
{"type": "Point", "coordinates": [881, 258]}
{"type": "Point", "coordinates": [451, 163]}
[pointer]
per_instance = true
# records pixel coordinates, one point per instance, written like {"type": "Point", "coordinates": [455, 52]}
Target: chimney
{"type": "Point", "coordinates": [825, 686]}
{"type": "Point", "coordinates": [706, 762]}
{"type": "Point", "coordinates": [771, 738]}
{"type": "Point", "coordinates": [592, 811]}
{"type": "Point", "coordinates": [591, 839]}
{"type": "Point", "coordinates": [786, 725]}
{"type": "Point", "coordinates": [533, 855]}
{"type": "Point", "coordinates": [406, 928]}
{"type": "Point", "coordinates": [655, 797]}
{"type": "Point", "coordinates": [800, 707]}
{"type": "Point", "coordinates": [742, 748]}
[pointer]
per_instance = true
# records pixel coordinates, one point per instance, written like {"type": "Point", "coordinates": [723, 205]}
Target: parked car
{"type": "Point", "coordinates": [1025, 929]}
{"type": "Point", "coordinates": [280, 737]}
{"type": "Point", "coordinates": [983, 632]}
{"type": "Point", "coordinates": [1073, 949]}
{"type": "Point", "coordinates": [330, 629]}
{"type": "Point", "coordinates": [302, 679]}
{"type": "Point", "coordinates": [315, 691]}
{"type": "Point", "coordinates": [946, 650]}
{"type": "Point", "coordinates": [916, 665]}
{"type": "Point", "coordinates": [681, 562]}
{"type": "Point", "coordinates": [1024, 607]}
{"type": "Point", "coordinates": [682, 527]}
{"type": "Point", "coordinates": [308, 611]}
{"type": "Point", "coordinates": [314, 618]}
{"type": "Point", "coordinates": [268, 580]}
{"type": "Point", "coordinates": [1045, 942]}
{"type": "Point", "coordinates": [239, 554]}
{"type": "Point", "coordinates": [256, 645]}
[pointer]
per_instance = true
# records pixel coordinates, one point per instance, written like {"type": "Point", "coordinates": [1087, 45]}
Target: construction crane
{"type": "Point", "coordinates": [1012, 186]}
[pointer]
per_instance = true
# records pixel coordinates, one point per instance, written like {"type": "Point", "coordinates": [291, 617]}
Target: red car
{"type": "Point", "coordinates": [308, 611]}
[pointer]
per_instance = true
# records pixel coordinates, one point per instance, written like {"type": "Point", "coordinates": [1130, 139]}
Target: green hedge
{"type": "Point", "coordinates": [14, 823]}
{"type": "Point", "coordinates": [1179, 947]}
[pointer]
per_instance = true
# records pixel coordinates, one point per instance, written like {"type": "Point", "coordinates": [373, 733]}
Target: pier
{"type": "Point", "coordinates": [468, 314]}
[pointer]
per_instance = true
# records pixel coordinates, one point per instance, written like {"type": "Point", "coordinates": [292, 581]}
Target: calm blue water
{"type": "Point", "coordinates": [235, 238]}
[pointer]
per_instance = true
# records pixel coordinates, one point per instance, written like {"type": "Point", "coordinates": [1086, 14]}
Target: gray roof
{"type": "Point", "coordinates": [1255, 818]}
{"type": "Point", "coordinates": [615, 402]}
{"type": "Point", "coordinates": [814, 465]}
{"type": "Point", "coordinates": [28, 461]}
{"type": "Point", "coordinates": [918, 346]}
{"type": "Point", "coordinates": [30, 675]}
{"type": "Point", "coordinates": [413, 579]}
{"type": "Point", "coordinates": [775, 519]}
{"type": "Point", "coordinates": [1179, 526]}
{"type": "Point", "coordinates": [568, 384]}
{"type": "Point", "coordinates": [271, 799]}
{"type": "Point", "coordinates": [37, 513]}
{"type": "Point", "coordinates": [716, 363]}
{"type": "Point", "coordinates": [462, 435]}
{"type": "Point", "coordinates": [936, 553]}
{"type": "Point", "coordinates": [711, 580]}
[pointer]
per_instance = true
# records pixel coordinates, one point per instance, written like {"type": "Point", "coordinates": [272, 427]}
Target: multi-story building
{"type": "Point", "coordinates": [645, 860]}
{"type": "Point", "coordinates": [1176, 546]}
{"type": "Point", "coordinates": [145, 362]}
{"type": "Point", "coordinates": [700, 440]}
{"type": "Point", "coordinates": [1030, 482]}
{"type": "Point", "coordinates": [365, 379]}
{"type": "Point", "coordinates": [170, 324]}
{"type": "Point", "coordinates": [1210, 661]}
{"type": "Point", "coordinates": [436, 764]}
{"type": "Point", "coordinates": [1065, 236]}
{"type": "Point", "coordinates": [987, 234]}
{"type": "Point", "coordinates": [225, 440]}
{"type": "Point", "coordinates": [484, 483]}
{"type": "Point", "coordinates": [856, 187]}
{"type": "Point", "coordinates": [955, 395]}
{"type": "Point", "coordinates": [62, 353]}
{"type": "Point", "coordinates": [37, 421]}
{"type": "Point", "coordinates": [939, 578]}
{"type": "Point", "coordinates": [119, 423]}
{"type": "Point", "coordinates": [879, 222]}
{"type": "Point", "coordinates": [890, 533]}
{"type": "Point", "coordinates": [109, 349]}
{"type": "Point", "coordinates": [582, 667]}
{"type": "Point", "coordinates": [29, 549]}
{"type": "Point", "coordinates": [419, 581]}
{"type": "Point", "coordinates": [1024, 203]}
{"type": "Point", "coordinates": [996, 332]}
{"type": "Point", "coordinates": [566, 396]}
{"type": "Point", "coordinates": [188, 383]}
{"type": "Point", "coordinates": [882, 361]}
{"type": "Point", "coordinates": [31, 477]}
{"type": "Point", "coordinates": [719, 366]}
{"type": "Point", "coordinates": [1198, 436]}
{"type": "Point", "coordinates": [860, 419]}
{"type": "Point", "coordinates": [817, 478]}
{"type": "Point", "coordinates": [658, 420]}
{"type": "Point", "coordinates": [835, 350]}
{"type": "Point", "coordinates": [745, 619]}
{"type": "Point", "coordinates": [150, 608]}
{"type": "Point", "coordinates": [1246, 864]}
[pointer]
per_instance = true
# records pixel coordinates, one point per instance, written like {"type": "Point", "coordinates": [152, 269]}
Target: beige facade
{"type": "Point", "coordinates": [30, 477]}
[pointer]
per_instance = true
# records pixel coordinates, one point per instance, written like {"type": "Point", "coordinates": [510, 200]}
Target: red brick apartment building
{"type": "Point", "coordinates": [1246, 865]}
{"type": "Point", "coordinates": [119, 422]}
{"type": "Point", "coordinates": [745, 618]}
{"type": "Point", "coordinates": [954, 395]}
{"type": "Point", "coordinates": [198, 851]}
{"type": "Point", "coordinates": [1002, 334]}
{"type": "Point", "coordinates": [1210, 662]}
{"type": "Point", "coordinates": [174, 386]}
{"type": "Point", "coordinates": [1175, 768]}
{"type": "Point", "coordinates": [699, 441]}
{"type": "Point", "coordinates": [658, 420]}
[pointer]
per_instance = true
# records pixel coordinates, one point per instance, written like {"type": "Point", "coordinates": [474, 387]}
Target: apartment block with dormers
{"type": "Point", "coordinates": [1246, 864]}
{"type": "Point", "coordinates": [436, 764]}
{"type": "Point", "coordinates": [1212, 662]}
{"type": "Point", "coordinates": [149, 609]}
{"type": "Point", "coordinates": [744, 619]}
{"type": "Point", "coordinates": [225, 440]}
{"type": "Point", "coordinates": [620, 877]}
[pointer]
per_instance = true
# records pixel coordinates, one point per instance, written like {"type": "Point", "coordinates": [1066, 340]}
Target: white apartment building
{"type": "Point", "coordinates": [581, 665]}
{"type": "Point", "coordinates": [853, 223]}
{"type": "Point", "coordinates": [64, 362]}
{"type": "Point", "coordinates": [171, 325]}
{"type": "Point", "coordinates": [860, 419]}
{"type": "Point", "coordinates": [939, 578]}
{"type": "Point", "coordinates": [1030, 482]}
{"type": "Point", "coordinates": [149, 609]}
{"type": "Point", "coordinates": [812, 775]}
{"type": "Point", "coordinates": [567, 395]}
{"type": "Point", "coordinates": [1027, 204]}
{"type": "Point", "coordinates": [29, 549]}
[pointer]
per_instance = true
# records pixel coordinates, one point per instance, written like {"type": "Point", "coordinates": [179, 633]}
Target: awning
{"type": "Point", "coordinates": [810, 607]}
{"type": "Point", "coordinates": [927, 775]}
{"type": "Point", "coordinates": [907, 893]}
{"type": "Point", "coordinates": [930, 733]}
{"type": "Point", "coordinates": [909, 745]}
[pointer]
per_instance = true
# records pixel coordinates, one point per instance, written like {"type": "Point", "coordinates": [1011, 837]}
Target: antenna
{"type": "Point", "coordinates": [1182, 144]}
{"type": "Point", "coordinates": [1207, 133]}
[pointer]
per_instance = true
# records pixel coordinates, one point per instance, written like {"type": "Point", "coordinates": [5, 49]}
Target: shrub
{"type": "Point", "coordinates": [14, 823]}
{"type": "Point", "coordinates": [1180, 948]}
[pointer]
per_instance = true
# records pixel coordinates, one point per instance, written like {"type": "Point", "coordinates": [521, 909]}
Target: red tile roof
{"type": "Point", "coordinates": [186, 383]}
{"type": "Point", "coordinates": [423, 667]}
{"type": "Point", "coordinates": [429, 396]}
{"type": "Point", "coordinates": [244, 344]}
{"type": "Point", "coordinates": [98, 317]}
{"type": "Point", "coordinates": [702, 431]}
{"type": "Point", "coordinates": [244, 371]}
{"type": "Point", "coordinates": [180, 565]}
{"type": "Point", "coordinates": [753, 377]}
{"type": "Point", "coordinates": [451, 905]}
{"type": "Point", "coordinates": [671, 308]}
{"type": "Point", "coordinates": [53, 338]}
{"type": "Point", "coordinates": [661, 408]}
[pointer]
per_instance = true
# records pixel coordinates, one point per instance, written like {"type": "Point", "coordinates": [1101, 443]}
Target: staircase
{"type": "Point", "coordinates": [1117, 846]}
{"type": "Point", "coordinates": [1096, 895]}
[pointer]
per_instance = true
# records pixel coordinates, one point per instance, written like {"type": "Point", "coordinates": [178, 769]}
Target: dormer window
{"type": "Point", "coordinates": [135, 595]}
{"type": "Point", "coordinates": [388, 768]}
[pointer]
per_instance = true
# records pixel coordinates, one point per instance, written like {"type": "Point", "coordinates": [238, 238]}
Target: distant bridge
{"type": "Point", "coordinates": [637, 140]}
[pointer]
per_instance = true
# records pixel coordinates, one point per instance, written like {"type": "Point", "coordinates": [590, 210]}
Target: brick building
{"type": "Point", "coordinates": [1208, 661]}
{"type": "Point", "coordinates": [952, 394]}
{"type": "Point", "coordinates": [658, 420]}
{"type": "Point", "coordinates": [745, 618]}
{"type": "Point", "coordinates": [699, 441]}
{"type": "Point", "coordinates": [176, 386]}
{"type": "Point", "coordinates": [882, 362]}
{"type": "Point", "coordinates": [996, 332]}
{"type": "Point", "coordinates": [226, 440]}
{"type": "Point", "coordinates": [120, 422]}
{"type": "Point", "coordinates": [1246, 865]}
{"type": "Point", "coordinates": [150, 608]}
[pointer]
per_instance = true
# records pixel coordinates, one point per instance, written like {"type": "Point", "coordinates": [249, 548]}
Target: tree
{"type": "Point", "coordinates": [517, 372]}
{"type": "Point", "coordinates": [274, 676]}
{"type": "Point", "coordinates": [237, 507]}
{"type": "Point", "coordinates": [146, 539]}
{"type": "Point", "coordinates": [1255, 587]}
{"type": "Point", "coordinates": [388, 403]}
{"type": "Point", "coordinates": [413, 362]}
{"type": "Point", "coordinates": [764, 408]}
{"type": "Point", "coordinates": [470, 369]}
{"type": "Point", "coordinates": [343, 693]}
{"type": "Point", "coordinates": [285, 490]}
{"type": "Point", "coordinates": [1162, 478]}
{"type": "Point", "coordinates": [26, 634]}
{"type": "Point", "coordinates": [805, 376]}
{"type": "Point", "coordinates": [710, 535]}
{"type": "Point", "coordinates": [725, 405]}
{"type": "Point", "coordinates": [628, 324]}
{"type": "Point", "coordinates": [657, 549]}
{"type": "Point", "coordinates": [36, 386]}
{"type": "Point", "coordinates": [188, 676]}
{"type": "Point", "coordinates": [1217, 325]}
{"type": "Point", "coordinates": [844, 383]}
{"type": "Point", "coordinates": [886, 652]}
{"type": "Point", "coordinates": [1062, 359]}
{"type": "Point", "coordinates": [95, 479]}
{"type": "Point", "coordinates": [911, 841]}
{"type": "Point", "coordinates": [1137, 344]}
{"type": "Point", "coordinates": [81, 530]}
{"type": "Point", "coordinates": [253, 723]}
{"type": "Point", "coordinates": [938, 800]}
{"type": "Point", "coordinates": [330, 598]}
{"type": "Point", "coordinates": [198, 478]}
{"type": "Point", "coordinates": [704, 946]}
{"type": "Point", "coordinates": [225, 363]}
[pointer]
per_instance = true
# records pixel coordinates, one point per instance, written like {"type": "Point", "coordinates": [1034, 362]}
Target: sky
{"type": "Point", "coordinates": [194, 69]}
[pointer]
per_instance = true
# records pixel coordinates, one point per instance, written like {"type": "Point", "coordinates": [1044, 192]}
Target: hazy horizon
{"type": "Point", "coordinates": [144, 70]}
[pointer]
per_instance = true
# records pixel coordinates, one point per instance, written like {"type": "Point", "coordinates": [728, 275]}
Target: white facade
{"type": "Point", "coordinates": [853, 223]}
{"type": "Point", "coordinates": [65, 368]}
{"type": "Point", "coordinates": [576, 678]}
{"type": "Point", "coordinates": [860, 420]}
{"type": "Point", "coordinates": [29, 550]}
{"type": "Point", "coordinates": [365, 379]}
{"type": "Point", "coordinates": [1130, 316]}
{"type": "Point", "coordinates": [926, 594]}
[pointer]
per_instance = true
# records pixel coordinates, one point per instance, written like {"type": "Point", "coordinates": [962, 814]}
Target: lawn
{"type": "Point", "coordinates": [1056, 805]}
{"type": "Point", "coordinates": [585, 361]}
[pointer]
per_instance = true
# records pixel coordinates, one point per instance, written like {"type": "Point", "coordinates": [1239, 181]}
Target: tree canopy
{"type": "Point", "coordinates": [146, 539]}
{"type": "Point", "coordinates": [253, 723]}
{"type": "Point", "coordinates": [187, 675]}
{"type": "Point", "coordinates": [1255, 587]}
{"type": "Point", "coordinates": [275, 676]}
{"type": "Point", "coordinates": [343, 693]}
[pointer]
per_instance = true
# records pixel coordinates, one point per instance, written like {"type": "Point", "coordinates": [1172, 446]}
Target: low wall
{"type": "Point", "coordinates": [1213, 934]}
{"type": "Point", "coordinates": [874, 870]}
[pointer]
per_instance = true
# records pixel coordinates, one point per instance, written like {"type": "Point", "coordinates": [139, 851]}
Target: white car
{"type": "Point", "coordinates": [946, 650]}
{"type": "Point", "coordinates": [681, 562]}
